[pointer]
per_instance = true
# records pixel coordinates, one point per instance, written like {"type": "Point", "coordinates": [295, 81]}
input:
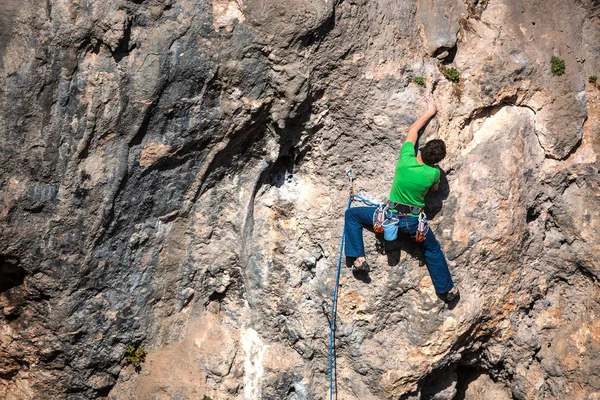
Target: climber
{"type": "Point", "coordinates": [414, 176]}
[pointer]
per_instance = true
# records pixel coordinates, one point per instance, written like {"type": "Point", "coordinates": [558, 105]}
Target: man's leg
{"type": "Point", "coordinates": [434, 256]}
{"type": "Point", "coordinates": [355, 219]}
{"type": "Point", "coordinates": [436, 263]}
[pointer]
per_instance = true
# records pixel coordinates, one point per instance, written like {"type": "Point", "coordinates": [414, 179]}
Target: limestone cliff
{"type": "Point", "coordinates": [173, 177]}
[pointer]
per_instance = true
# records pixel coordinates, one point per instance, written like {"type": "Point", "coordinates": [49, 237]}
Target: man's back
{"type": "Point", "coordinates": [412, 179]}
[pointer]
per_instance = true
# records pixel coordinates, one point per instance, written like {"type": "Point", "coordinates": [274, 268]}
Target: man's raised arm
{"type": "Point", "coordinates": [413, 131]}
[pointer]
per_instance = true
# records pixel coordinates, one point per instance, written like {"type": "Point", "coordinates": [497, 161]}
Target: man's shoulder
{"type": "Point", "coordinates": [408, 146]}
{"type": "Point", "coordinates": [407, 150]}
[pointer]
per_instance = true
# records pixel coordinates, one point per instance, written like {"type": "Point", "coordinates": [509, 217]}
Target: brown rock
{"type": "Point", "coordinates": [153, 152]}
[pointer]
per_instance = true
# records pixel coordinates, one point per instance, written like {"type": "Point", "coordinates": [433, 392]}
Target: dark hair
{"type": "Point", "coordinates": [433, 152]}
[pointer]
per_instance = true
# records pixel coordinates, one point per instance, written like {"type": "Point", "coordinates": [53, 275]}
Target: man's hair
{"type": "Point", "coordinates": [433, 152]}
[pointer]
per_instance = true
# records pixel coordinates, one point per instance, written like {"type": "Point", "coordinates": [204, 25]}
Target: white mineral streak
{"type": "Point", "coordinates": [163, 228]}
{"type": "Point", "coordinates": [226, 12]}
{"type": "Point", "coordinates": [254, 348]}
{"type": "Point", "coordinates": [292, 189]}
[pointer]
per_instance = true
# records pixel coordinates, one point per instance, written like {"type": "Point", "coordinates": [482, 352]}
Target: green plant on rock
{"type": "Point", "coordinates": [558, 66]}
{"type": "Point", "coordinates": [483, 252]}
{"type": "Point", "coordinates": [451, 74]}
{"type": "Point", "coordinates": [135, 355]}
{"type": "Point", "coordinates": [205, 397]}
{"type": "Point", "coordinates": [419, 80]}
{"type": "Point", "coordinates": [593, 79]}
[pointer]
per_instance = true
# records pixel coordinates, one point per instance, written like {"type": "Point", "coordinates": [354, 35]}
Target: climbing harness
{"type": "Point", "coordinates": [407, 209]}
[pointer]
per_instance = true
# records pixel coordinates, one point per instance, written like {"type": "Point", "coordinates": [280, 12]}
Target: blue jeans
{"type": "Point", "coordinates": [358, 217]}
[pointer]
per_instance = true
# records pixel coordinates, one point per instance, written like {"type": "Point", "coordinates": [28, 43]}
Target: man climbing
{"type": "Point", "coordinates": [414, 176]}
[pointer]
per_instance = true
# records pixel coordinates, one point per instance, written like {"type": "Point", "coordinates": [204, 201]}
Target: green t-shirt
{"type": "Point", "coordinates": [412, 180]}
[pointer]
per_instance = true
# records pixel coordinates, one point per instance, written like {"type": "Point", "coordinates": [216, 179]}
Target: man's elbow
{"type": "Point", "coordinates": [413, 131]}
{"type": "Point", "coordinates": [412, 136]}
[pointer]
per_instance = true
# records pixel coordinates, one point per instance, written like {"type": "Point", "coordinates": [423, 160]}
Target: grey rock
{"type": "Point", "coordinates": [440, 21]}
{"type": "Point", "coordinates": [173, 177]}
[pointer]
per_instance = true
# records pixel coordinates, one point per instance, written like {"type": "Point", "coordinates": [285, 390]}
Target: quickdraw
{"type": "Point", "coordinates": [378, 218]}
{"type": "Point", "coordinates": [422, 229]}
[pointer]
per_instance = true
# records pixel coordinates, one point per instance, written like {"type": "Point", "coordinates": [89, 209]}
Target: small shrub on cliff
{"type": "Point", "coordinates": [593, 79]}
{"type": "Point", "coordinates": [135, 355]}
{"type": "Point", "coordinates": [419, 80]}
{"type": "Point", "coordinates": [205, 397]}
{"type": "Point", "coordinates": [451, 74]}
{"type": "Point", "coordinates": [558, 66]}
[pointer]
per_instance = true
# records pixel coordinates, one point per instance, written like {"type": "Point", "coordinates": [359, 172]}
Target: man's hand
{"type": "Point", "coordinates": [431, 107]}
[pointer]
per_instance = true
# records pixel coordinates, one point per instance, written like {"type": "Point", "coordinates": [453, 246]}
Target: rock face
{"type": "Point", "coordinates": [173, 177]}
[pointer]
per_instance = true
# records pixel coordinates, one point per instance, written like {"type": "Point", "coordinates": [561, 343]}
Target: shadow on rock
{"type": "Point", "coordinates": [435, 200]}
{"type": "Point", "coordinates": [452, 303]}
{"type": "Point", "coordinates": [393, 249]}
{"type": "Point", "coordinates": [361, 275]}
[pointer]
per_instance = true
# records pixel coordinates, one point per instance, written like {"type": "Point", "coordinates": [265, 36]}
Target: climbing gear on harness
{"type": "Point", "coordinates": [385, 220]}
{"type": "Point", "coordinates": [405, 208]}
{"type": "Point", "coordinates": [390, 228]}
{"type": "Point", "coordinates": [422, 229]}
{"type": "Point", "coordinates": [379, 218]}
{"type": "Point", "coordinates": [350, 176]}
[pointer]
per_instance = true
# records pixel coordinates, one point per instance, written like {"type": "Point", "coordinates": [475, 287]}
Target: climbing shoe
{"type": "Point", "coordinates": [364, 267]}
{"type": "Point", "coordinates": [452, 295]}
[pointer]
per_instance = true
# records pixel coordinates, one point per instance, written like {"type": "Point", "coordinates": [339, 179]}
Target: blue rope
{"type": "Point", "coordinates": [333, 307]}
{"type": "Point", "coordinates": [369, 202]}
{"type": "Point", "coordinates": [337, 284]}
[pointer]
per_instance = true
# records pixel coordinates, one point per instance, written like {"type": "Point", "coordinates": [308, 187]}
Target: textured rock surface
{"type": "Point", "coordinates": [173, 176]}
